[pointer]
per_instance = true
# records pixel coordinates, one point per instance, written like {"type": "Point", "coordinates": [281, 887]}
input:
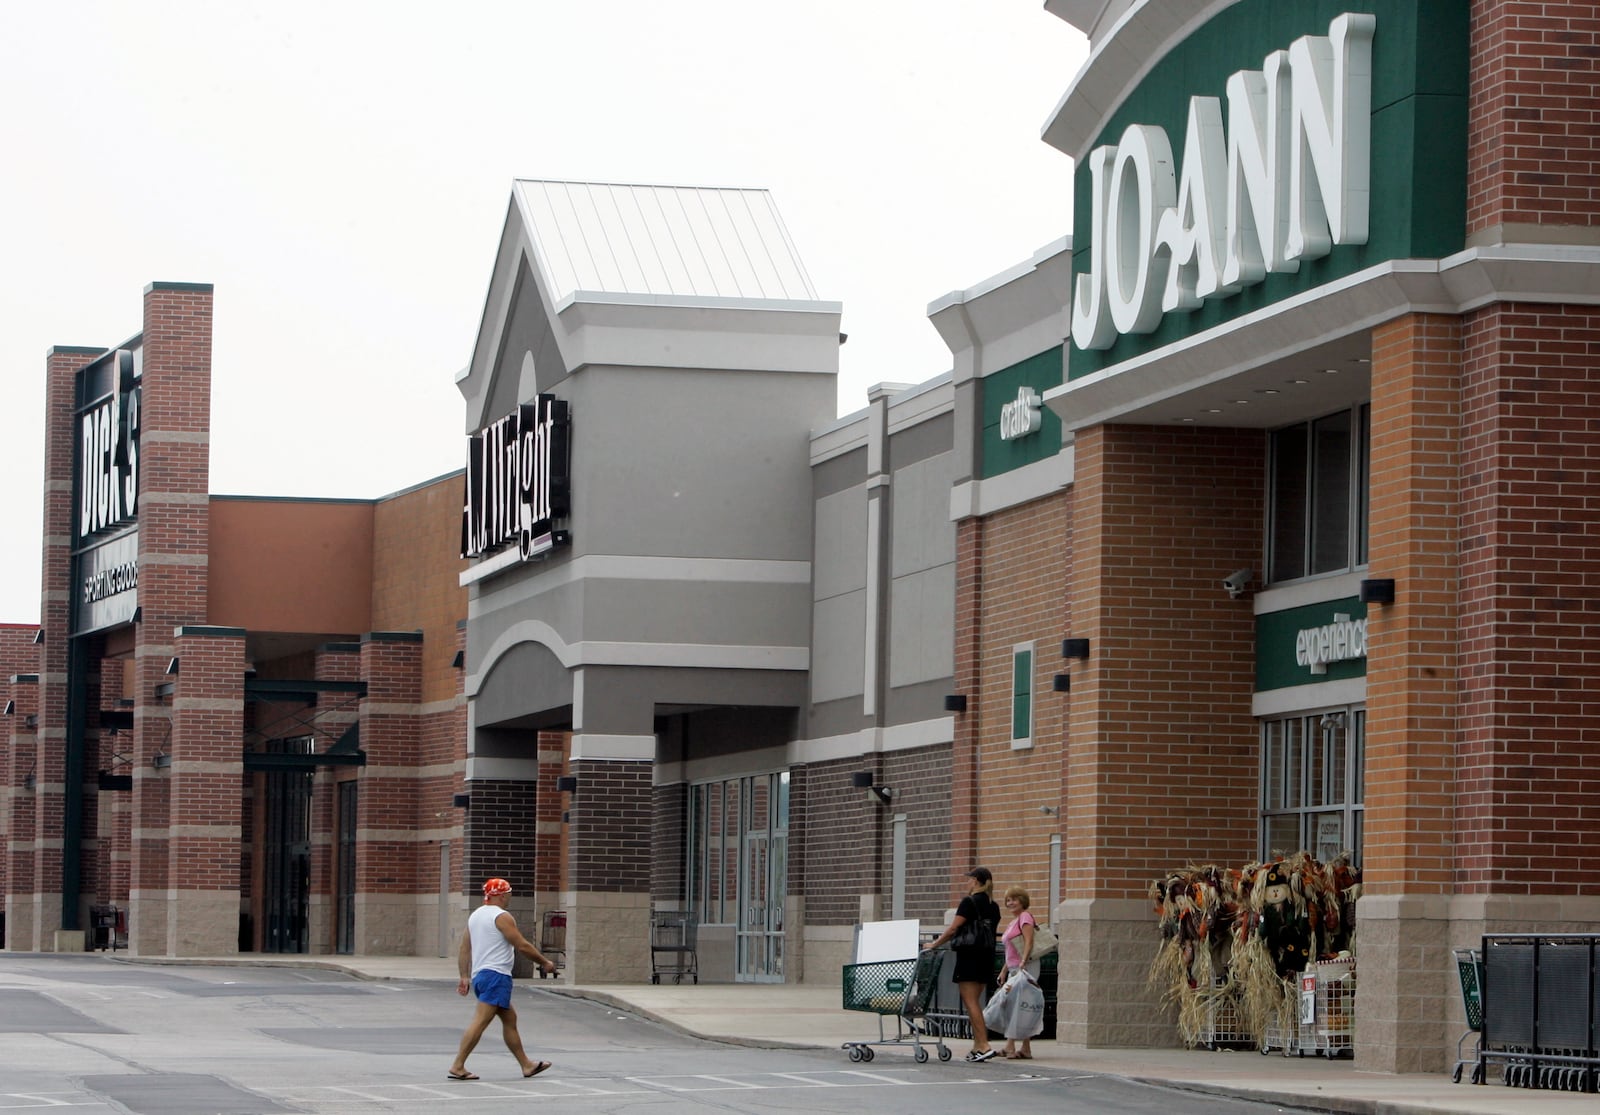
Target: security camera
{"type": "Point", "coordinates": [1237, 581]}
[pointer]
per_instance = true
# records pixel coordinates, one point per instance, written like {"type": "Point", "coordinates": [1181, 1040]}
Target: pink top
{"type": "Point", "coordinates": [1011, 938]}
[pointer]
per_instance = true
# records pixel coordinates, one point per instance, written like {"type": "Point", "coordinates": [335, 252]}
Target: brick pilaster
{"type": "Point", "coordinates": [204, 784]}
{"type": "Point", "coordinates": [389, 869]}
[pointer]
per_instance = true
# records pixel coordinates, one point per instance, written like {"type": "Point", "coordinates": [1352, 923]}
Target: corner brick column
{"type": "Point", "coordinates": [55, 610]}
{"type": "Point", "coordinates": [205, 788]}
{"type": "Point", "coordinates": [1160, 516]}
{"type": "Point", "coordinates": [338, 662]}
{"type": "Point", "coordinates": [388, 871]}
{"type": "Point", "coordinates": [968, 665]}
{"type": "Point", "coordinates": [1412, 680]}
{"type": "Point", "coordinates": [174, 547]}
{"type": "Point", "coordinates": [609, 856]}
{"type": "Point", "coordinates": [550, 830]}
{"type": "Point", "coordinates": [22, 749]}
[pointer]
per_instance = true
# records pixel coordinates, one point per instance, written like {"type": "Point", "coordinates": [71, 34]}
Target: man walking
{"type": "Point", "coordinates": [488, 947]}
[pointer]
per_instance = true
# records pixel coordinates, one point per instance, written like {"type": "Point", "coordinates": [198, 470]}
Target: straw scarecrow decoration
{"type": "Point", "coordinates": [1243, 937]}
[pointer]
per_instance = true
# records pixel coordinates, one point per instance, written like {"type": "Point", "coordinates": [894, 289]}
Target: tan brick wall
{"type": "Point", "coordinates": [1412, 661]}
{"type": "Point", "coordinates": [416, 565]}
{"type": "Point", "coordinates": [1161, 733]}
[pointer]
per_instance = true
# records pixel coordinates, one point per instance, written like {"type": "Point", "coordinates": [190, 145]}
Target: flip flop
{"type": "Point", "coordinates": [463, 1075]}
{"type": "Point", "coordinates": [536, 1070]}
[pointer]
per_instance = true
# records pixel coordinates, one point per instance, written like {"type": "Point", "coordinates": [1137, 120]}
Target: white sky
{"type": "Point", "coordinates": [340, 170]}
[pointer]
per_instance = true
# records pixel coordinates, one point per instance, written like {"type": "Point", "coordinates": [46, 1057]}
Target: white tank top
{"type": "Point", "coordinates": [490, 949]}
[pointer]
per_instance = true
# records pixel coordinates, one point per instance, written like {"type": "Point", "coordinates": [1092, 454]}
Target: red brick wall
{"type": "Point", "coordinates": [1012, 588]}
{"type": "Point", "coordinates": [204, 779]}
{"type": "Point", "coordinates": [390, 862]}
{"type": "Point", "coordinates": [608, 835]}
{"type": "Point", "coordinates": [1162, 760]}
{"type": "Point", "coordinates": [1528, 810]}
{"type": "Point", "coordinates": [1534, 131]}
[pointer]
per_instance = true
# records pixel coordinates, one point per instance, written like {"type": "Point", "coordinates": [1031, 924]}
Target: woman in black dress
{"type": "Point", "coordinates": [974, 968]}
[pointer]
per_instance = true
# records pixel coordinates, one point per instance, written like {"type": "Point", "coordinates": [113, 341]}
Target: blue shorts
{"type": "Point", "coordinates": [492, 987]}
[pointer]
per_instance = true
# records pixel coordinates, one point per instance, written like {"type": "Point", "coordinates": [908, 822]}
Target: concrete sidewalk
{"type": "Point", "coordinates": [770, 1015]}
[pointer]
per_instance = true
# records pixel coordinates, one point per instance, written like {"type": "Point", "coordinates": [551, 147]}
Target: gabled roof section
{"type": "Point", "coordinates": [641, 277]}
{"type": "Point", "coordinates": [693, 241]}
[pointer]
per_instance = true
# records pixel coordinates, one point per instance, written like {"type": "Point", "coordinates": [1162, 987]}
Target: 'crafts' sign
{"type": "Point", "coordinates": [517, 481]}
{"type": "Point", "coordinates": [1284, 181]}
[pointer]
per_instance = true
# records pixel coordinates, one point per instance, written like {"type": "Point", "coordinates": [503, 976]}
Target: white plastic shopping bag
{"type": "Point", "coordinates": [1017, 1009]}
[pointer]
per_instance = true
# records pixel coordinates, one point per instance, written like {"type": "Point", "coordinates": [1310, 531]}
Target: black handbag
{"type": "Point", "coordinates": [975, 933]}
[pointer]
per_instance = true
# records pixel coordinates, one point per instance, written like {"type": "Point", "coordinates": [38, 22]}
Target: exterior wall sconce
{"type": "Point", "coordinates": [955, 702]}
{"type": "Point", "coordinates": [459, 660]}
{"type": "Point", "coordinates": [1074, 648]}
{"type": "Point", "coordinates": [1061, 683]}
{"type": "Point", "coordinates": [38, 636]}
{"type": "Point", "coordinates": [11, 708]}
{"type": "Point", "coordinates": [1050, 810]}
{"type": "Point", "coordinates": [161, 760]}
{"type": "Point", "coordinates": [172, 666]}
{"type": "Point", "coordinates": [31, 720]}
{"type": "Point", "coordinates": [138, 615]}
{"type": "Point", "coordinates": [1379, 590]}
{"type": "Point", "coordinates": [566, 783]}
{"type": "Point", "coordinates": [28, 781]}
{"type": "Point", "coordinates": [862, 780]}
{"type": "Point", "coordinates": [461, 801]}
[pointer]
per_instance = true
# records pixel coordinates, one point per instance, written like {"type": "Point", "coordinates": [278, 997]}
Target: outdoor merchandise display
{"type": "Point", "coordinates": [1236, 943]}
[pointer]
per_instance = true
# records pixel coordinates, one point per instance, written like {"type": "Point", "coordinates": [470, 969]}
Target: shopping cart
{"type": "Point", "coordinates": [1321, 1019]}
{"type": "Point", "coordinates": [902, 989]}
{"type": "Point", "coordinates": [672, 946]}
{"type": "Point", "coordinates": [1469, 966]}
{"type": "Point", "coordinates": [553, 940]}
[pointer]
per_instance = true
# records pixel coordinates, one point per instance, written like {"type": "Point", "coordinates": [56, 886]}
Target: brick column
{"type": "Point", "coordinates": [55, 609]}
{"type": "Point", "coordinates": [1160, 729]}
{"type": "Point", "coordinates": [22, 748]}
{"type": "Point", "coordinates": [608, 863]}
{"type": "Point", "coordinates": [204, 784]}
{"type": "Point", "coordinates": [174, 541]}
{"type": "Point", "coordinates": [335, 715]}
{"type": "Point", "coordinates": [1412, 678]}
{"type": "Point", "coordinates": [388, 871]}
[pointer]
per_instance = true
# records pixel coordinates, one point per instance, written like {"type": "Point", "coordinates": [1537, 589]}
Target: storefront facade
{"type": "Point", "coordinates": [1310, 564]}
{"type": "Point", "coordinates": [237, 727]}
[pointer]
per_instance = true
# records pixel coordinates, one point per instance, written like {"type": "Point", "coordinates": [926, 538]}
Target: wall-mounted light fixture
{"type": "Point", "coordinates": [138, 615]}
{"type": "Point", "coordinates": [1074, 648]}
{"type": "Point", "coordinates": [863, 780]}
{"type": "Point", "coordinates": [459, 660]}
{"type": "Point", "coordinates": [11, 708]}
{"type": "Point", "coordinates": [38, 636]}
{"type": "Point", "coordinates": [1061, 683]}
{"type": "Point", "coordinates": [955, 702]}
{"type": "Point", "coordinates": [566, 783]}
{"type": "Point", "coordinates": [172, 666]}
{"type": "Point", "coordinates": [31, 720]}
{"type": "Point", "coordinates": [1050, 810]}
{"type": "Point", "coordinates": [161, 760]}
{"type": "Point", "coordinates": [461, 801]}
{"type": "Point", "coordinates": [1378, 590]}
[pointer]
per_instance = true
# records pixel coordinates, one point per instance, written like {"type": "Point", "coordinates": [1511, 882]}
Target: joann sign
{"type": "Point", "coordinates": [1285, 181]}
{"type": "Point", "coordinates": [517, 481]}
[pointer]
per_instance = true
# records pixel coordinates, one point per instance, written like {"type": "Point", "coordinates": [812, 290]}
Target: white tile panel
{"type": "Point", "coordinates": [689, 241]}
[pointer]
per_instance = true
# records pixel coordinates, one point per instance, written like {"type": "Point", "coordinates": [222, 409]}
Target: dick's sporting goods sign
{"type": "Point", "coordinates": [517, 481]}
{"type": "Point", "coordinates": [106, 481]}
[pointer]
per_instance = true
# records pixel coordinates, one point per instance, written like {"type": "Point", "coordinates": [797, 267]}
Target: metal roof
{"type": "Point", "coordinates": [692, 241]}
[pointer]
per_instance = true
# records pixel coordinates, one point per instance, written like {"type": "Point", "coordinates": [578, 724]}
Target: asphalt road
{"type": "Point", "coordinates": [82, 1033]}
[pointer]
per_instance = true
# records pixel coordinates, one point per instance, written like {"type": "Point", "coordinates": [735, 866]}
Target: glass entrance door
{"type": "Point", "coordinates": [763, 877]}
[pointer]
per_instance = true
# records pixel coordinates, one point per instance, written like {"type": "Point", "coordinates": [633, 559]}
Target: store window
{"type": "Point", "coordinates": [1022, 696]}
{"type": "Point", "coordinates": [1312, 783]}
{"type": "Point", "coordinates": [1319, 475]}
